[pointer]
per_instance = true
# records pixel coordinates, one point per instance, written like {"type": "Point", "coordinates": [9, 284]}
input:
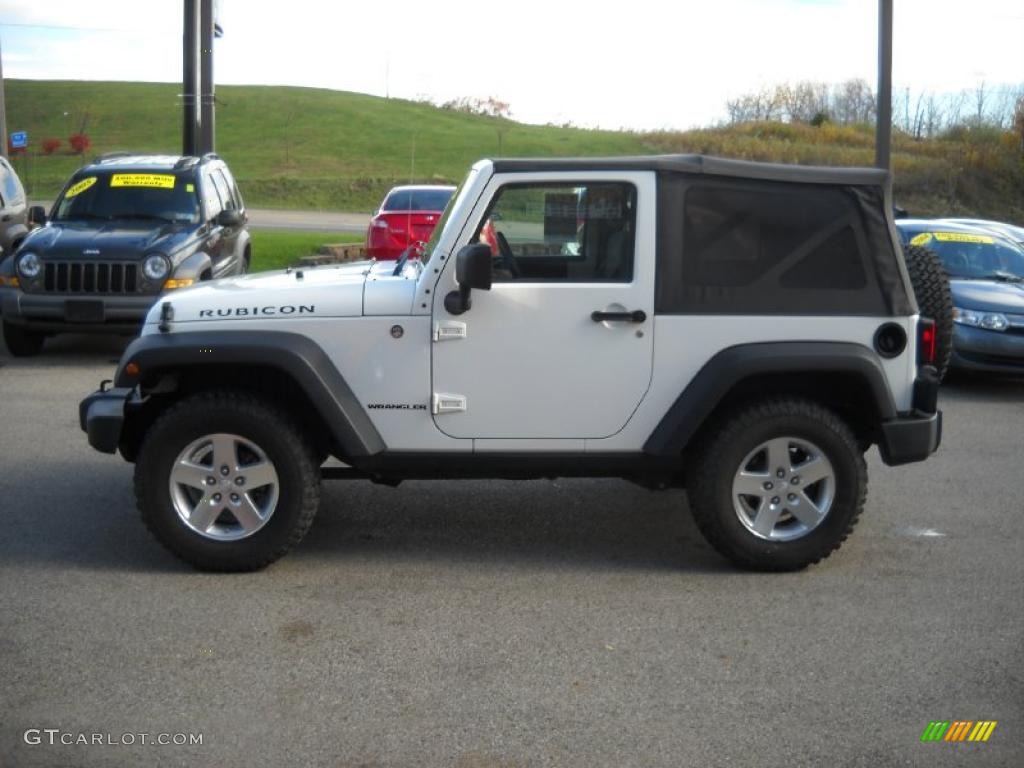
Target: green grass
{"type": "Point", "coordinates": [276, 249]}
{"type": "Point", "coordinates": [308, 148]}
{"type": "Point", "coordinates": [289, 147]}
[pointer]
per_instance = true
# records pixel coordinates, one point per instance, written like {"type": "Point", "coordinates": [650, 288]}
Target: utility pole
{"type": "Point", "coordinates": [3, 111]}
{"type": "Point", "coordinates": [207, 97]}
{"type": "Point", "coordinates": [190, 80]}
{"type": "Point", "coordinates": [883, 125]}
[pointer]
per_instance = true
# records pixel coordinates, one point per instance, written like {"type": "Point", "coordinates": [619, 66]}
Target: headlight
{"type": "Point", "coordinates": [29, 265]}
{"type": "Point", "coordinates": [992, 321]}
{"type": "Point", "coordinates": [156, 267]}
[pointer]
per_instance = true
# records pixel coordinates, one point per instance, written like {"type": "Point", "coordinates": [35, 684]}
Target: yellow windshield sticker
{"type": "Point", "coordinates": [153, 180]}
{"type": "Point", "coordinates": [923, 239]}
{"type": "Point", "coordinates": [960, 237]}
{"type": "Point", "coordinates": [80, 187]}
{"type": "Point", "coordinates": [190, 188]}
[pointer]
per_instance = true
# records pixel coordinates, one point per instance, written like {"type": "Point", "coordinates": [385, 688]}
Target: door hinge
{"type": "Point", "coordinates": [450, 330]}
{"type": "Point", "coordinates": [446, 403]}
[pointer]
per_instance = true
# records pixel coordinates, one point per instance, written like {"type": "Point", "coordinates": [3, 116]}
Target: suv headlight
{"type": "Point", "coordinates": [992, 321]}
{"type": "Point", "coordinates": [29, 265]}
{"type": "Point", "coordinates": [156, 267]}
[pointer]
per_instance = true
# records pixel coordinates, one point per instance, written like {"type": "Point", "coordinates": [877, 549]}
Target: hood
{"type": "Point", "coordinates": [988, 295]}
{"type": "Point", "coordinates": [107, 241]}
{"type": "Point", "coordinates": [315, 292]}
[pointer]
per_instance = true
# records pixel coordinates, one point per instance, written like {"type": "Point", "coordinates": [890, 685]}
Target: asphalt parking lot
{"type": "Point", "coordinates": [472, 624]}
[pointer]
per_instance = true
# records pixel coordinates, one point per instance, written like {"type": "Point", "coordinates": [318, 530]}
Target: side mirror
{"type": "Point", "coordinates": [473, 269]}
{"type": "Point", "coordinates": [230, 218]}
{"type": "Point", "coordinates": [37, 215]}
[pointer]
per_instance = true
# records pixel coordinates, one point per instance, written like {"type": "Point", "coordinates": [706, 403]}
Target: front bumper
{"type": "Point", "coordinates": [978, 349]}
{"type": "Point", "coordinates": [51, 313]}
{"type": "Point", "coordinates": [101, 416]}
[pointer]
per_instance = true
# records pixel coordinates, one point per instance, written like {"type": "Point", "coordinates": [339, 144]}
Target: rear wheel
{"type": "Point", "coordinates": [931, 289]}
{"type": "Point", "coordinates": [779, 485]}
{"type": "Point", "coordinates": [225, 481]}
{"type": "Point", "coordinates": [21, 341]}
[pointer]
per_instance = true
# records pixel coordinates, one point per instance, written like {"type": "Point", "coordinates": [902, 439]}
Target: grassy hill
{"type": "Point", "coordinates": [313, 148]}
{"type": "Point", "coordinates": [289, 147]}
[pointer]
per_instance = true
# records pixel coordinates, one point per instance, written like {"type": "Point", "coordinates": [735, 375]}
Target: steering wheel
{"type": "Point", "coordinates": [507, 260]}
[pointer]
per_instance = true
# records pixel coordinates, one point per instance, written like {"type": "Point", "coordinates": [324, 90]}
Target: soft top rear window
{"type": "Point", "coordinates": [760, 247]}
{"type": "Point", "coordinates": [417, 200]}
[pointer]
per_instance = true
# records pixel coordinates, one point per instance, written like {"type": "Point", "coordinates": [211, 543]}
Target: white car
{"type": "Point", "coordinates": [745, 331]}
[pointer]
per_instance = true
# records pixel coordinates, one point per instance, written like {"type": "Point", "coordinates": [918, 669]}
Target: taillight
{"type": "Point", "coordinates": [379, 224]}
{"type": "Point", "coordinates": [926, 342]}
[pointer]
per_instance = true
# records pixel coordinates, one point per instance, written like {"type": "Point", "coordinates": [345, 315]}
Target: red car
{"type": "Point", "coordinates": [407, 217]}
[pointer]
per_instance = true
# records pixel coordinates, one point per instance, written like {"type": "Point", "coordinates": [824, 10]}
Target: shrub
{"type": "Point", "coordinates": [80, 143]}
{"type": "Point", "coordinates": [50, 146]}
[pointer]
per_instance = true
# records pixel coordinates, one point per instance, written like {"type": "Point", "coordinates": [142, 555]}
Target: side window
{"type": "Point", "coordinates": [224, 190]}
{"type": "Point", "coordinates": [569, 233]}
{"type": "Point", "coordinates": [770, 248]}
{"type": "Point", "coordinates": [211, 197]}
{"type": "Point", "coordinates": [10, 188]}
{"type": "Point", "coordinates": [233, 186]}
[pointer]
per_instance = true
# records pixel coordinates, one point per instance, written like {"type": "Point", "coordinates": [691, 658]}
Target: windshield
{"type": "Point", "coordinates": [156, 196]}
{"type": "Point", "coordinates": [417, 200]}
{"type": "Point", "coordinates": [975, 257]}
{"type": "Point", "coordinates": [435, 238]}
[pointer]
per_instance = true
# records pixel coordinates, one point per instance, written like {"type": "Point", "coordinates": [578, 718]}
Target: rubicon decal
{"type": "Point", "coordinates": [958, 730]}
{"type": "Point", "coordinates": [287, 309]}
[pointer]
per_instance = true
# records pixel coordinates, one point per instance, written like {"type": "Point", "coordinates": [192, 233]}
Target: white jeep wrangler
{"type": "Point", "coordinates": [746, 331]}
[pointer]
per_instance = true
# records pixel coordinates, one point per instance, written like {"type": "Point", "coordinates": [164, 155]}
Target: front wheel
{"type": "Point", "coordinates": [779, 485]}
{"type": "Point", "coordinates": [22, 342]}
{"type": "Point", "coordinates": [226, 482]}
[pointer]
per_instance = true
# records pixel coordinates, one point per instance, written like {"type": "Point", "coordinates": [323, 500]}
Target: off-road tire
{"type": "Point", "coordinates": [720, 455]}
{"type": "Point", "coordinates": [254, 419]}
{"type": "Point", "coordinates": [930, 282]}
{"type": "Point", "coordinates": [22, 342]}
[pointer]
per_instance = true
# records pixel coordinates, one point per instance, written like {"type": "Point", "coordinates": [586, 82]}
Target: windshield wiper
{"type": "Point", "coordinates": [1004, 277]}
{"type": "Point", "coordinates": [86, 216]}
{"type": "Point", "coordinates": [144, 216]}
{"type": "Point", "coordinates": [400, 264]}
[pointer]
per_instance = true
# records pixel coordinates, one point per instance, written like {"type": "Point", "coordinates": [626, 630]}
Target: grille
{"type": "Point", "coordinates": [90, 277]}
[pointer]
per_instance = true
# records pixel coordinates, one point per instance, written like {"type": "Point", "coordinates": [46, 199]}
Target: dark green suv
{"type": "Point", "coordinates": [124, 230]}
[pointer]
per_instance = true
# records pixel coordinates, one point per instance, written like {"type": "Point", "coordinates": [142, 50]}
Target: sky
{"type": "Point", "coordinates": [641, 64]}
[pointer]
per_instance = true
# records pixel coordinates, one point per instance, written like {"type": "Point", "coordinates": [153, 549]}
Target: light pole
{"type": "Point", "coordinates": [883, 124]}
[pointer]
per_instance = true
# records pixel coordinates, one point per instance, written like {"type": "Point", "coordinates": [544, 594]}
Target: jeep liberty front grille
{"type": "Point", "coordinates": [90, 277]}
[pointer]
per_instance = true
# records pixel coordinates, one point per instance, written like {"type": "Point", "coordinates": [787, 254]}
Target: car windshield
{"type": "Point", "coordinates": [975, 257]}
{"type": "Point", "coordinates": [417, 200]}
{"type": "Point", "coordinates": [144, 196]}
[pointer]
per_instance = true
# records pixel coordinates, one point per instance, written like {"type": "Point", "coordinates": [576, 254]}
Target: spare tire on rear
{"type": "Point", "coordinates": [931, 288]}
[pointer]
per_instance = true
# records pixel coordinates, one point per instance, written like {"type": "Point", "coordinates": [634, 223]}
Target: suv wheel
{"type": "Point", "coordinates": [779, 485]}
{"type": "Point", "coordinates": [226, 482]}
{"type": "Point", "coordinates": [22, 342]}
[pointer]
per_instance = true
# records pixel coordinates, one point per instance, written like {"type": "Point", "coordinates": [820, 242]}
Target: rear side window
{"type": "Point", "coordinates": [768, 248]}
{"type": "Point", "coordinates": [417, 200]}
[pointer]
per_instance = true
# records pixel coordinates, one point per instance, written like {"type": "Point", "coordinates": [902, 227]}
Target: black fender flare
{"type": "Point", "coordinates": [734, 364]}
{"type": "Point", "coordinates": [293, 354]}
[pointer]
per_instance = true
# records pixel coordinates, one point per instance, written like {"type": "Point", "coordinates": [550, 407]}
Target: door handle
{"type": "Point", "coordinates": [636, 316]}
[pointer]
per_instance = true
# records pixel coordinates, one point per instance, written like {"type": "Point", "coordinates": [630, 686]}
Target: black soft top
{"type": "Point", "coordinates": [700, 164]}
